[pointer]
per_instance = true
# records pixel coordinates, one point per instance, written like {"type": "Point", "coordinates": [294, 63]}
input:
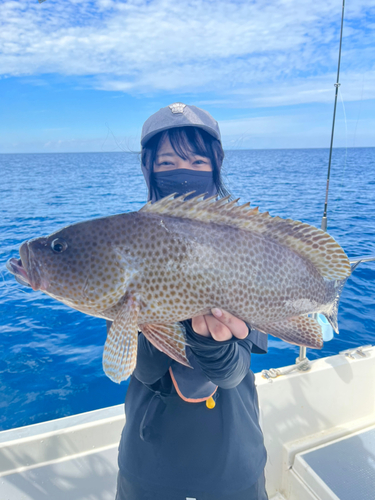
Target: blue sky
{"type": "Point", "coordinates": [79, 75]}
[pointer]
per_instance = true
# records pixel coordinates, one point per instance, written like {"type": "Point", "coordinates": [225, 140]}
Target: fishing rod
{"type": "Point", "coordinates": [337, 85]}
{"type": "Point", "coordinates": [302, 360]}
{"type": "Point", "coordinates": [353, 262]}
{"type": "Point", "coordinates": [302, 350]}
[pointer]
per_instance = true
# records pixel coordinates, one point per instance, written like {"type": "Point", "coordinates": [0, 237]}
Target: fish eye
{"type": "Point", "coordinates": [58, 245]}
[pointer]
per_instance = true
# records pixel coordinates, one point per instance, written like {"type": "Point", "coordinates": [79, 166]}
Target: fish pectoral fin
{"type": "Point", "coordinates": [170, 339]}
{"type": "Point", "coordinates": [299, 330]}
{"type": "Point", "coordinates": [120, 350]}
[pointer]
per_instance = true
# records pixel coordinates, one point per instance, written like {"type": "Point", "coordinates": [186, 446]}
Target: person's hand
{"type": "Point", "coordinates": [220, 325]}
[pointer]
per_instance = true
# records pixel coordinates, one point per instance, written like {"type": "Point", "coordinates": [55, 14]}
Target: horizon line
{"type": "Point", "coordinates": [138, 152]}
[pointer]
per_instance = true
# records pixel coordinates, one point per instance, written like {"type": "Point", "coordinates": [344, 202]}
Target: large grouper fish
{"type": "Point", "coordinates": [178, 258]}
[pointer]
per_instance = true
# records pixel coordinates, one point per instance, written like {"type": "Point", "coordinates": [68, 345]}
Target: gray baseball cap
{"type": "Point", "coordinates": [179, 115]}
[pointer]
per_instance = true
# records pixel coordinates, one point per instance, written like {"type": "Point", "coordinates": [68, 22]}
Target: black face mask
{"type": "Point", "coordinates": [181, 181]}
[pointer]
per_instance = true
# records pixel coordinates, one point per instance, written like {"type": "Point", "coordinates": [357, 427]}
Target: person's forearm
{"type": "Point", "coordinates": [152, 364]}
{"type": "Point", "coordinates": [224, 363]}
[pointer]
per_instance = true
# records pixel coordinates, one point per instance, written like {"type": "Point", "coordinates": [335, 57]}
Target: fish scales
{"type": "Point", "coordinates": [198, 266]}
{"type": "Point", "coordinates": [177, 259]}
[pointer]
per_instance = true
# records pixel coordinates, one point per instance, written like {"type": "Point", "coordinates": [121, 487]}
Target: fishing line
{"type": "Point", "coordinates": [105, 140]}
{"type": "Point", "coordinates": [2, 275]}
{"type": "Point", "coordinates": [114, 138]}
{"type": "Point", "coordinates": [338, 199]}
{"type": "Point", "coordinates": [119, 145]}
{"type": "Point", "coordinates": [12, 291]}
{"type": "Point", "coordinates": [360, 109]}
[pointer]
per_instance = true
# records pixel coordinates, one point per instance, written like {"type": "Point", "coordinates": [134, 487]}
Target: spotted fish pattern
{"type": "Point", "coordinates": [176, 259]}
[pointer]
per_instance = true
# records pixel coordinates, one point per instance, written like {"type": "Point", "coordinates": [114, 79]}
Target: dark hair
{"type": "Point", "coordinates": [186, 141]}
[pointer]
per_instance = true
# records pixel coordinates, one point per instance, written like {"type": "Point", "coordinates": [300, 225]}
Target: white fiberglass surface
{"type": "Point", "coordinates": [88, 477]}
{"type": "Point", "coordinates": [347, 466]}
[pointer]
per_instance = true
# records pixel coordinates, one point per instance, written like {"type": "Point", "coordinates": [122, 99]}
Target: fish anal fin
{"type": "Point", "coordinates": [299, 330]}
{"type": "Point", "coordinates": [309, 242]}
{"type": "Point", "coordinates": [120, 350]}
{"type": "Point", "coordinates": [170, 339]}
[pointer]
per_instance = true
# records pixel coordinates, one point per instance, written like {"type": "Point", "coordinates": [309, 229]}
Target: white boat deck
{"type": "Point", "coordinates": [319, 429]}
{"type": "Point", "coordinates": [304, 411]}
{"type": "Point", "coordinates": [72, 458]}
{"type": "Point", "coordinates": [88, 476]}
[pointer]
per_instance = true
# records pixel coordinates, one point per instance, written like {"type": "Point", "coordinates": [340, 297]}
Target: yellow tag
{"type": "Point", "coordinates": [210, 403]}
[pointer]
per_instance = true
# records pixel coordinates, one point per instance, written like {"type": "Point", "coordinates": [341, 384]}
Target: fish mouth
{"type": "Point", "coordinates": [25, 269]}
{"type": "Point", "coordinates": [15, 267]}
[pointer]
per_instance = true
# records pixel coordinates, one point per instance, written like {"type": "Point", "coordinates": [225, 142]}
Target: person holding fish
{"type": "Point", "coordinates": [192, 429]}
{"type": "Point", "coordinates": [192, 433]}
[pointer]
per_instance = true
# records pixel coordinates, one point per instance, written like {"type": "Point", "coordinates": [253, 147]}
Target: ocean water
{"type": "Point", "coordinates": [50, 358]}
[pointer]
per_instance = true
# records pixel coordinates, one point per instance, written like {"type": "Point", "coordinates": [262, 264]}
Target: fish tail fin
{"type": "Point", "coordinates": [331, 313]}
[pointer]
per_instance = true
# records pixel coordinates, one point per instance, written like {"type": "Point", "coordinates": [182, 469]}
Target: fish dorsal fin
{"type": "Point", "coordinates": [311, 243]}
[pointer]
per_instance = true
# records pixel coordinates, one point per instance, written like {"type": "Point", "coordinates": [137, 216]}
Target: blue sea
{"type": "Point", "coordinates": [50, 359]}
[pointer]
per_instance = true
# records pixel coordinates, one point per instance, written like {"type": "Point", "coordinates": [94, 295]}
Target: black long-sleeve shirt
{"type": "Point", "coordinates": [175, 445]}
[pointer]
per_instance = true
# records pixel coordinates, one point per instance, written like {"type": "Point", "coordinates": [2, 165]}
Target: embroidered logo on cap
{"type": "Point", "coordinates": [177, 107]}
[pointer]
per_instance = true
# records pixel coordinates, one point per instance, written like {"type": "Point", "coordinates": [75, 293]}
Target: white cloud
{"type": "Point", "coordinates": [353, 87]}
{"type": "Point", "coordinates": [295, 131]}
{"type": "Point", "coordinates": [281, 49]}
